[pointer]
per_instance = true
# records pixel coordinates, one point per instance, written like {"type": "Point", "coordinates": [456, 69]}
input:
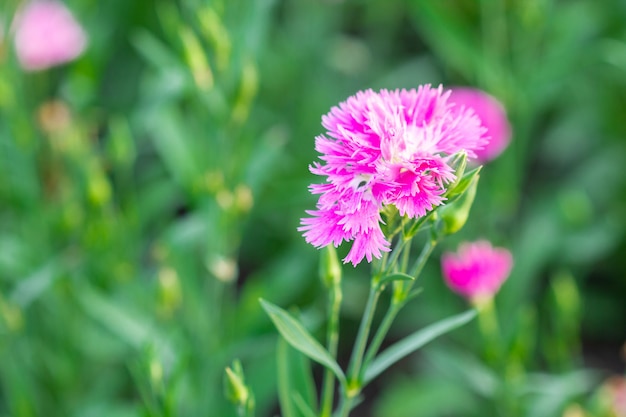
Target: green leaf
{"type": "Point", "coordinates": [303, 406]}
{"type": "Point", "coordinates": [37, 284]}
{"type": "Point", "coordinates": [418, 223]}
{"type": "Point", "coordinates": [413, 294]}
{"type": "Point", "coordinates": [449, 35]}
{"type": "Point", "coordinates": [294, 378]}
{"type": "Point", "coordinates": [171, 134]}
{"type": "Point", "coordinates": [396, 276]}
{"type": "Point", "coordinates": [415, 341]}
{"type": "Point", "coordinates": [154, 51]}
{"type": "Point", "coordinates": [129, 325]}
{"type": "Point", "coordinates": [298, 337]}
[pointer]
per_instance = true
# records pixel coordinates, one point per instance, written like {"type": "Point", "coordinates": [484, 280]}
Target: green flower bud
{"type": "Point", "coordinates": [462, 183]}
{"type": "Point", "coordinates": [459, 162]}
{"type": "Point", "coordinates": [454, 214]}
{"type": "Point", "coordinates": [235, 388]}
{"type": "Point", "coordinates": [197, 60]}
{"type": "Point", "coordinates": [330, 268]}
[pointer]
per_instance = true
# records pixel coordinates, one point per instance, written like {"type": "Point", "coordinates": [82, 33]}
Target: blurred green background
{"type": "Point", "coordinates": [150, 193]}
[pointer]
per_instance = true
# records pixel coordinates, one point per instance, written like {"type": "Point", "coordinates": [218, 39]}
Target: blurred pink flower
{"type": "Point", "coordinates": [385, 148]}
{"type": "Point", "coordinates": [46, 35]}
{"type": "Point", "coordinates": [492, 115]}
{"type": "Point", "coordinates": [615, 395]}
{"type": "Point", "coordinates": [477, 270]}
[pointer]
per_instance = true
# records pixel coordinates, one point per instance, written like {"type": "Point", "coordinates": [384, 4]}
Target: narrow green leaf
{"type": "Point", "coordinates": [154, 51]}
{"type": "Point", "coordinates": [296, 387]}
{"type": "Point", "coordinates": [126, 323]}
{"type": "Point", "coordinates": [397, 276]}
{"type": "Point", "coordinates": [170, 134]}
{"type": "Point", "coordinates": [298, 337]}
{"type": "Point", "coordinates": [35, 285]}
{"type": "Point", "coordinates": [284, 380]}
{"type": "Point", "coordinates": [413, 294]}
{"type": "Point", "coordinates": [303, 406]}
{"type": "Point", "coordinates": [418, 223]}
{"type": "Point", "coordinates": [304, 381]}
{"type": "Point", "coordinates": [448, 34]}
{"type": "Point", "coordinates": [415, 341]}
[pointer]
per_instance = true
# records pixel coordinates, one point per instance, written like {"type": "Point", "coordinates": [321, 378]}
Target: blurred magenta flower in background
{"type": "Point", "coordinates": [46, 35]}
{"type": "Point", "coordinates": [477, 270]}
{"type": "Point", "coordinates": [492, 115]}
{"type": "Point", "coordinates": [385, 148]}
{"type": "Point", "coordinates": [614, 395]}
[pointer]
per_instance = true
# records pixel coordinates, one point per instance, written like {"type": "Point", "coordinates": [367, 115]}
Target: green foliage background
{"type": "Point", "coordinates": [143, 218]}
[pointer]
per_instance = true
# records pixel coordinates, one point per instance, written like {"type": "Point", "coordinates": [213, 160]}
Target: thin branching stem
{"type": "Point", "coordinates": [332, 337]}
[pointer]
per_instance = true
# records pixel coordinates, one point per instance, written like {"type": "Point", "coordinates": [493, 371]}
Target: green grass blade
{"type": "Point", "coordinates": [415, 341]}
{"type": "Point", "coordinates": [298, 337]}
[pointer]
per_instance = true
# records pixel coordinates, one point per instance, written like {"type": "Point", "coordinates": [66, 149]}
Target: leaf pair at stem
{"type": "Point", "coordinates": [294, 332]}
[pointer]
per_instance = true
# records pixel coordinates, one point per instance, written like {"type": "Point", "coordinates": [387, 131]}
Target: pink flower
{"type": "Point", "coordinates": [491, 114]}
{"type": "Point", "coordinates": [46, 35]}
{"type": "Point", "coordinates": [614, 395]}
{"type": "Point", "coordinates": [478, 270]}
{"type": "Point", "coordinates": [385, 148]}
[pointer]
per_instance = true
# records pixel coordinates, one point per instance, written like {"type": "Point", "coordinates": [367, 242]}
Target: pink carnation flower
{"type": "Point", "coordinates": [46, 35]}
{"type": "Point", "coordinates": [491, 114]}
{"type": "Point", "coordinates": [385, 148]}
{"type": "Point", "coordinates": [478, 270]}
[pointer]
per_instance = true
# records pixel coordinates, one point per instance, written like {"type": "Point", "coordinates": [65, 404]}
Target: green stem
{"type": "Point", "coordinates": [490, 329]}
{"type": "Point", "coordinates": [405, 256]}
{"type": "Point", "coordinates": [398, 301]}
{"type": "Point", "coordinates": [395, 254]}
{"type": "Point", "coordinates": [361, 339]}
{"type": "Point", "coordinates": [332, 337]}
{"type": "Point", "coordinates": [381, 332]}
{"type": "Point", "coordinates": [421, 261]}
{"type": "Point", "coordinates": [354, 368]}
{"type": "Point", "coordinates": [345, 406]}
{"type": "Point", "coordinates": [494, 354]}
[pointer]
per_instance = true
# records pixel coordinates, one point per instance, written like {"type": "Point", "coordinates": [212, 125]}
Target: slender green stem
{"type": "Point", "coordinates": [353, 387]}
{"type": "Point", "coordinates": [395, 254]}
{"type": "Point", "coordinates": [416, 270]}
{"type": "Point", "coordinates": [345, 406]}
{"type": "Point", "coordinates": [361, 339]}
{"type": "Point", "coordinates": [332, 340]}
{"type": "Point", "coordinates": [405, 256]}
{"type": "Point", "coordinates": [381, 332]}
{"type": "Point", "coordinates": [494, 354]}
{"type": "Point", "coordinates": [398, 301]}
{"type": "Point", "coordinates": [490, 329]}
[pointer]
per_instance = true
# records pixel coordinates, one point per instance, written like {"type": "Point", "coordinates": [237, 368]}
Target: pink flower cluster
{"type": "Point", "coordinates": [46, 35]}
{"type": "Point", "coordinates": [478, 270]}
{"type": "Point", "coordinates": [385, 148]}
{"type": "Point", "coordinates": [492, 116]}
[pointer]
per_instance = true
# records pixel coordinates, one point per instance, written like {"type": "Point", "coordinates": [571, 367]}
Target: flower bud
{"type": "Point", "coordinates": [170, 292]}
{"type": "Point", "coordinates": [454, 215]}
{"type": "Point", "coordinates": [197, 60]}
{"type": "Point", "coordinates": [235, 388]}
{"type": "Point", "coordinates": [223, 268]}
{"type": "Point", "coordinates": [330, 268]}
{"type": "Point", "coordinates": [459, 162]}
